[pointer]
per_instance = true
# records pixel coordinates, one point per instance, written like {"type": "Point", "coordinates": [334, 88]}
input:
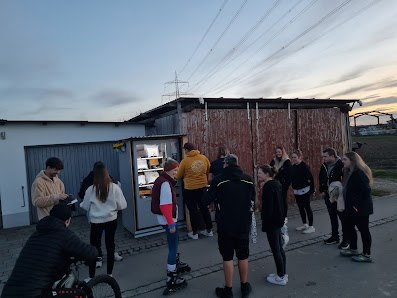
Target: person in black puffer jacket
{"type": "Point", "coordinates": [284, 167]}
{"type": "Point", "coordinates": [272, 215]}
{"type": "Point", "coordinates": [358, 205]}
{"type": "Point", "coordinates": [45, 257]}
{"type": "Point", "coordinates": [233, 193]}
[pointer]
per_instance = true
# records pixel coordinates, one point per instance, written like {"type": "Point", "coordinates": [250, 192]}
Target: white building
{"type": "Point", "coordinates": [25, 145]}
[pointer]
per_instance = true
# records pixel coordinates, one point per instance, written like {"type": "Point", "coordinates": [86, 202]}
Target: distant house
{"type": "Point", "coordinates": [25, 146]}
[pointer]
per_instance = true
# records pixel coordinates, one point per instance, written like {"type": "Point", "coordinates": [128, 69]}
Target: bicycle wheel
{"type": "Point", "coordinates": [103, 286]}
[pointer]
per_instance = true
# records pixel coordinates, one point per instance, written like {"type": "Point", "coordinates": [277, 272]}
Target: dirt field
{"type": "Point", "coordinates": [378, 152]}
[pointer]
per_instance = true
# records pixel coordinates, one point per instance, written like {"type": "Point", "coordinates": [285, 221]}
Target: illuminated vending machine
{"type": "Point", "coordinates": [140, 165]}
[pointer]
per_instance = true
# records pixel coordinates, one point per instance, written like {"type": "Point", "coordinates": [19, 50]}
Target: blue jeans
{"type": "Point", "coordinates": [173, 240]}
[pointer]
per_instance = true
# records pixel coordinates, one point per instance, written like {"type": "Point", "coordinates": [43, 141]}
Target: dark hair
{"type": "Point", "coordinates": [98, 163]}
{"type": "Point", "coordinates": [101, 183]}
{"type": "Point", "coordinates": [54, 163]}
{"type": "Point", "coordinates": [231, 160]}
{"type": "Point", "coordinates": [267, 169]}
{"type": "Point", "coordinates": [330, 151]}
{"type": "Point", "coordinates": [222, 151]}
{"type": "Point", "coordinates": [298, 152]}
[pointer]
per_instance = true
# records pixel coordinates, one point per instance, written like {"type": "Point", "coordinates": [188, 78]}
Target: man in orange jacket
{"type": "Point", "coordinates": [195, 169]}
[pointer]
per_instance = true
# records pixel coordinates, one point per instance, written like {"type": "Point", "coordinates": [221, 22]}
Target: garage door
{"type": "Point", "coordinates": [78, 160]}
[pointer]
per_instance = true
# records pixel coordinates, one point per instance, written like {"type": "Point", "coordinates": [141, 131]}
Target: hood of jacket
{"type": "Point", "coordinates": [274, 184]}
{"type": "Point", "coordinates": [45, 177]}
{"type": "Point", "coordinates": [233, 173]}
{"type": "Point", "coordinates": [50, 224]}
{"type": "Point", "coordinates": [193, 153]}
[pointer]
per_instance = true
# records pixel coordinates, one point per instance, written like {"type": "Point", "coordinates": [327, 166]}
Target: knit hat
{"type": "Point", "coordinates": [61, 211]}
{"type": "Point", "coordinates": [188, 146]}
{"type": "Point", "coordinates": [171, 166]}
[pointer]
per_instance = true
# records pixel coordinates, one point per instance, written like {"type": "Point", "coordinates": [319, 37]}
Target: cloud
{"type": "Point", "coordinates": [110, 98]}
{"type": "Point", "coordinates": [367, 87]}
{"type": "Point", "coordinates": [381, 101]}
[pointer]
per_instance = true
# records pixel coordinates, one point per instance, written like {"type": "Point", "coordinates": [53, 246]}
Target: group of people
{"type": "Point", "coordinates": [233, 194]}
{"type": "Point", "coordinates": [344, 185]}
{"type": "Point", "coordinates": [45, 256]}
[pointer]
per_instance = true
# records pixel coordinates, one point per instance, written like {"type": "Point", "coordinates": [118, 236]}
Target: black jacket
{"type": "Point", "coordinates": [233, 193]}
{"type": "Point", "coordinates": [301, 177]}
{"type": "Point", "coordinates": [87, 182]}
{"type": "Point", "coordinates": [44, 259]}
{"type": "Point", "coordinates": [358, 199]}
{"type": "Point", "coordinates": [325, 178]}
{"type": "Point", "coordinates": [284, 173]}
{"type": "Point", "coordinates": [272, 213]}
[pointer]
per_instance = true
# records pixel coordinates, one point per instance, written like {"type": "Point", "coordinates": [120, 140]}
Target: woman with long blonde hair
{"type": "Point", "coordinates": [358, 205]}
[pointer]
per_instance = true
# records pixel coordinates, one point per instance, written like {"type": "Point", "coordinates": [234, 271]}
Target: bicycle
{"type": "Point", "coordinates": [100, 286]}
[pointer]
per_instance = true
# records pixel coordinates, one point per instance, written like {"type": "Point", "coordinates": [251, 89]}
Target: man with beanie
{"type": "Point", "coordinates": [233, 193]}
{"type": "Point", "coordinates": [194, 169]}
{"type": "Point", "coordinates": [332, 170]}
{"type": "Point", "coordinates": [47, 188]}
{"type": "Point", "coordinates": [45, 257]}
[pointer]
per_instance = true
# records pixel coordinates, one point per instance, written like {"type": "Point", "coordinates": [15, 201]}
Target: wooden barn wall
{"type": "Point", "coordinates": [318, 130]}
{"type": "Point", "coordinates": [163, 126]}
{"type": "Point", "coordinates": [254, 139]}
{"type": "Point", "coordinates": [226, 127]}
{"type": "Point", "coordinates": [272, 128]}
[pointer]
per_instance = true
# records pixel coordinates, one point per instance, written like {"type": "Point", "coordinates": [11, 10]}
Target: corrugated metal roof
{"type": "Point", "coordinates": [190, 103]}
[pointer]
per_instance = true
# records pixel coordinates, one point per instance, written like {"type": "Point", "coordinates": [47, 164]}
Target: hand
{"type": "Point", "coordinates": [62, 196]}
{"type": "Point", "coordinates": [172, 231]}
{"type": "Point", "coordinates": [323, 194]}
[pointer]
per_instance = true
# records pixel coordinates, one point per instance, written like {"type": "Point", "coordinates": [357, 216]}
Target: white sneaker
{"type": "Point", "coordinates": [302, 227]}
{"type": "Point", "coordinates": [193, 236]}
{"type": "Point", "coordinates": [206, 233]}
{"type": "Point", "coordinates": [98, 263]}
{"type": "Point", "coordinates": [309, 230]}
{"type": "Point", "coordinates": [277, 280]}
{"type": "Point", "coordinates": [117, 257]}
{"type": "Point", "coordinates": [275, 274]}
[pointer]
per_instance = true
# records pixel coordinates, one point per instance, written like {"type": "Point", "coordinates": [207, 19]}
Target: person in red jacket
{"type": "Point", "coordinates": [164, 206]}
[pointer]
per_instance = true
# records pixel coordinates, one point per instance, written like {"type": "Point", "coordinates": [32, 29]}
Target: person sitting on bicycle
{"type": "Point", "coordinates": [45, 258]}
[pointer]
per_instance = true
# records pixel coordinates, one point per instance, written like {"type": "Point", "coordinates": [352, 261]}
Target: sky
{"type": "Point", "coordinates": [100, 60]}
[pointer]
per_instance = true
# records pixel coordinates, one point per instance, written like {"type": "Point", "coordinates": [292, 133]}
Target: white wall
{"type": "Point", "coordinates": [12, 156]}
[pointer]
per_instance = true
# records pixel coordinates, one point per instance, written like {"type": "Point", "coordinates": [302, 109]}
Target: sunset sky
{"type": "Point", "coordinates": [103, 60]}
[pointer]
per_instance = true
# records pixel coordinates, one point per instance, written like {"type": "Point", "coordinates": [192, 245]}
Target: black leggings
{"type": "Point", "coordinates": [95, 240]}
{"type": "Point", "coordinates": [303, 202]}
{"type": "Point", "coordinates": [274, 239]}
{"type": "Point", "coordinates": [362, 223]}
{"type": "Point", "coordinates": [194, 198]}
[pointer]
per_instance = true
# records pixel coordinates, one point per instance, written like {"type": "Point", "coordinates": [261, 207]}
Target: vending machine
{"type": "Point", "coordinates": [141, 163]}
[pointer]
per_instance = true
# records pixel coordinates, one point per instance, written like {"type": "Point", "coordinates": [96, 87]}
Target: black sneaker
{"type": "Point", "coordinates": [246, 289]}
{"type": "Point", "coordinates": [225, 292]}
{"type": "Point", "coordinates": [331, 240]}
{"type": "Point", "coordinates": [344, 245]}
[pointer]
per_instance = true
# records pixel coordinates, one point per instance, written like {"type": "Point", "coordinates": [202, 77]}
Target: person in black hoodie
{"type": "Point", "coordinates": [358, 205]}
{"type": "Point", "coordinates": [45, 257]}
{"type": "Point", "coordinates": [284, 167]}
{"type": "Point", "coordinates": [332, 170]}
{"type": "Point", "coordinates": [303, 187]}
{"type": "Point", "coordinates": [272, 215]}
{"type": "Point", "coordinates": [233, 193]}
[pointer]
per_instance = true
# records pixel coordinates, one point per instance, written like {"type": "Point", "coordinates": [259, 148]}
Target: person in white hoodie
{"type": "Point", "coordinates": [103, 200]}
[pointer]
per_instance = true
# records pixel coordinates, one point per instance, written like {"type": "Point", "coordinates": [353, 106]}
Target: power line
{"type": "Point", "coordinates": [219, 38]}
{"type": "Point", "coordinates": [205, 34]}
{"type": "Point", "coordinates": [245, 75]}
{"type": "Point", "coordinates": [299, 14]}
{"type": "Point", "coordinates": [236, 46]}
{"type": "Point", "coordinates": [177, 93]}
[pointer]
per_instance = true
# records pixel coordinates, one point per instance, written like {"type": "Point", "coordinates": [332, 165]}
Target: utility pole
{"type": "Point", "coordinates": [177, 93]}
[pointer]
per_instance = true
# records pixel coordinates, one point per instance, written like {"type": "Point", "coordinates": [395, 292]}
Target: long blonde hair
{"type": "Point", "coordinates": [358, 162]}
